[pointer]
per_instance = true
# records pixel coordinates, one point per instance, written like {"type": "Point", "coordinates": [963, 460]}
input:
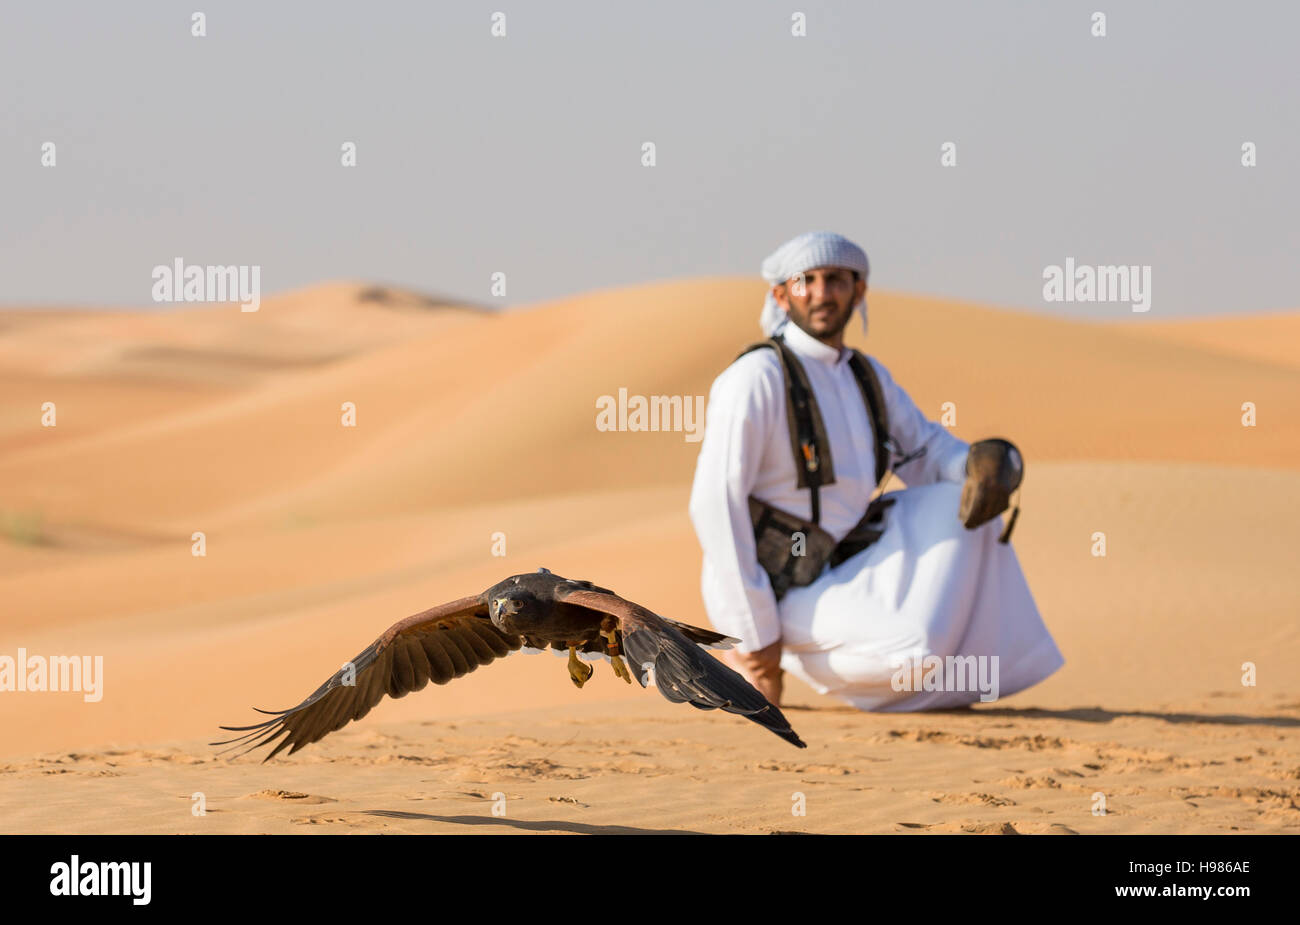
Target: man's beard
{"type": "Point", "coordinates": [829, 333]}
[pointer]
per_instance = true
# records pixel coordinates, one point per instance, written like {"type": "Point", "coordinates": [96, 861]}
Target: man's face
{"type": "Point", "coordinates": [820, 301]}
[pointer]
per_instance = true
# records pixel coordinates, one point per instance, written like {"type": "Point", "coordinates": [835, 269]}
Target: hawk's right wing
{"type": "Point", "coordinates": [682, 671]}
{"type": "Point", "coordinates": [438, 644]}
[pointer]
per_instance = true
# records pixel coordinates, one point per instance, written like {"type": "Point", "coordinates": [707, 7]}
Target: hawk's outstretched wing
{"type": "Point", "coordinates": [682, 672]}
{"type": "Point", "coordinates": [438, 644]}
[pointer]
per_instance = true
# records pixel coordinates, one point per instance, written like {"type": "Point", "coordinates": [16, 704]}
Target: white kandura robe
{"type": "Point", "coordinates": [928, 586]}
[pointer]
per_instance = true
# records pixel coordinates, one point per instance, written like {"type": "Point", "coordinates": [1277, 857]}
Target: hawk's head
{"type": "Point", "coordinates": [514, 610]}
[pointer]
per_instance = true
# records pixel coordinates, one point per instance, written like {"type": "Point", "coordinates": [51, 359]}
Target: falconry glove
{"type": "Point", "coordinates": [994, 469]}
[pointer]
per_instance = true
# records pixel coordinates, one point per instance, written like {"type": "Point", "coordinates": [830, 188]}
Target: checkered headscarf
{"type": "Point", "coordinates": [806, 252]}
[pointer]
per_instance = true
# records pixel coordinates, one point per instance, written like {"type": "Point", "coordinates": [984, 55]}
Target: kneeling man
{"type": "Point", "coordinates": [891, 604]}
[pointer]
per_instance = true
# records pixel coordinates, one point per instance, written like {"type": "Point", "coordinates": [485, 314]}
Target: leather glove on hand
{"type": "Point", "coordinates": [994, 469]}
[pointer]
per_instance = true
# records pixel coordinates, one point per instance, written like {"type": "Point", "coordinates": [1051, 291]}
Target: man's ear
{"type": "Point", "coordinates": [782, 299]}
{"type": "Point", "coordinates": [859, 291]}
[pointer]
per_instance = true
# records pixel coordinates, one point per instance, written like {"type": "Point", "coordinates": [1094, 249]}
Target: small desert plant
{"type": "Point", "coordinates": [22, 527]}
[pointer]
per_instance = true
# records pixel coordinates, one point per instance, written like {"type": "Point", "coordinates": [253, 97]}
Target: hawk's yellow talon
{"type": "Point", "coordinates": [620, 668]}
{"type": "Point", "coordinates": [615, 656]}
{"type": "Point", "coordinates": [579, 670]}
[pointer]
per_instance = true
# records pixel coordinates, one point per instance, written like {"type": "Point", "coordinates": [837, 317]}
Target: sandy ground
{"type": "Point", "coordinates": [471, 426]}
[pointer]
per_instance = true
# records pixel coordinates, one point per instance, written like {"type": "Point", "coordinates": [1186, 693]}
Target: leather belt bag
{"type": "Point", "coordinates": [794, 551]}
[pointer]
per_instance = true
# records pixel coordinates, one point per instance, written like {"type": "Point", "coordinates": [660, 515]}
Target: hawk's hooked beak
{"type": "Point", "coordinates": [506, 606]}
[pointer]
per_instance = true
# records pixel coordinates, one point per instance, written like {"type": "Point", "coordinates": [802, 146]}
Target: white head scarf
{"type": "Point", "coordinates": [806, 252]}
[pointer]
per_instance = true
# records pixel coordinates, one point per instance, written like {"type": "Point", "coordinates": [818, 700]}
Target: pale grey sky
{"type": "Point", "coordinates": [522, 154]}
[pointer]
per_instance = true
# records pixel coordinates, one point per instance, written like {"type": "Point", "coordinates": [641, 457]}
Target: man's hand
{"type": "Point", "coordinates": [763, 667]}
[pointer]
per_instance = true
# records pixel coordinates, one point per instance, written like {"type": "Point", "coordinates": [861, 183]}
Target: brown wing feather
{"type": "Point", "coordinates": [437, 645]}
{"type": "Point", "coordinates": [682, 671]}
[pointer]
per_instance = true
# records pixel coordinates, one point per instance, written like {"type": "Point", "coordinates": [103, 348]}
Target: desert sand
{"type": "Point", "coordinates": [473, 425]}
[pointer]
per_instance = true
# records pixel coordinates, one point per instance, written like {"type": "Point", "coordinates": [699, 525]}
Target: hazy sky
{"type": "Point", "coordinates": [522, 154]}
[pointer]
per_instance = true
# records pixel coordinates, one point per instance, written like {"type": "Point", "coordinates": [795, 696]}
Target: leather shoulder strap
{"type": "Point", "coordinates": [874, 397]}
{"type": "Point", "coordinates": [804, 419]}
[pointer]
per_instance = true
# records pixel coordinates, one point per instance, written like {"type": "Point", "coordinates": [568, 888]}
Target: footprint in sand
{"type": "Point", "coordinates": [986, 799]}
{"type": "Point", "coordinates": [337, 820]}
{"type": "Point", "coordinates": [989, 828]}
{"type": "Point", "coordinates": [773, 765]}
{"type": "Point", "coordinates": [289, 796]}
{"type": "Point", "coordinates": [968, 828]}
{"type": "Point", "coordinates": [575, 802]}
{"type": "Point", "coordinates": [1029, 782]}
{"type": "Point", "coordinates": [480, 795]}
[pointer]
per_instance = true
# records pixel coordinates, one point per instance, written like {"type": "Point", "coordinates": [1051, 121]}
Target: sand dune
{"type": "Point", "coordinates": [1272, 338]}
{"type": "Point", "coordinates": [443, 419]}
{"type": "Point", "coordinates": [471, 424]}
{"type": "Point", "coordinates": [305, 327]}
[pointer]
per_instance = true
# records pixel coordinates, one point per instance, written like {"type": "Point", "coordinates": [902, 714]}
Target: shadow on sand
{"type": "Point", "coordinates": [1077, 714]}
{"type": "Point", "coordinates": [577, 828]}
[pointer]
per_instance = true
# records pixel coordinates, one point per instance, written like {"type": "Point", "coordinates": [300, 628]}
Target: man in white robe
{"type": "Point", "coordinates": [868, 630]}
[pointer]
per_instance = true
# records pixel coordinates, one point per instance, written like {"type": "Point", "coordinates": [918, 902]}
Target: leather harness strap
{"type": "Point", "coordinates": [809, 444]}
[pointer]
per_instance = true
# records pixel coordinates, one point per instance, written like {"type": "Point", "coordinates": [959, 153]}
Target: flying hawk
{"type": "Point", "coordinates": [535, 610]}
